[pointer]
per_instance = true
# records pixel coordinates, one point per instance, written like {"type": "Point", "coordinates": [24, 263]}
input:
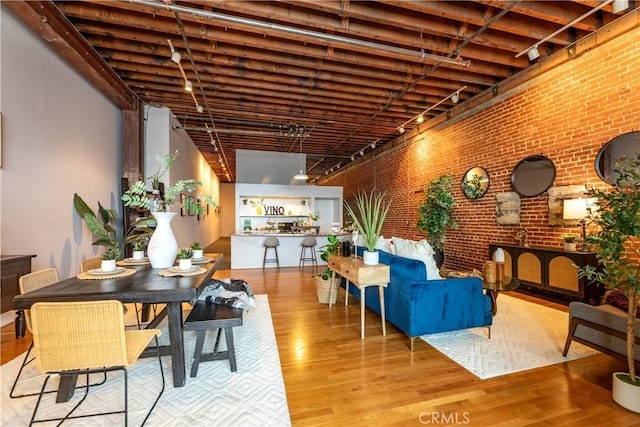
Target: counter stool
{"type": "Point", "coordinates": [206, 316]}
{"type": "Point", "coordinates": [271, 243]}
{"type": "Point", "coordinates": [310, 243]}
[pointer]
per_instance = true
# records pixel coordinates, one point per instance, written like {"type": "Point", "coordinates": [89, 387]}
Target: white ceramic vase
{"type": "Point", "coordinates": [197, 253]}
{"type": "Point", "coordinates": [625, 394]}
{"type": "Point", "coordinates": [108, 265]}
{"type": "Point", "coordinates": [163, 247]}
{"type": "Point", "coordinates": [370, 258]}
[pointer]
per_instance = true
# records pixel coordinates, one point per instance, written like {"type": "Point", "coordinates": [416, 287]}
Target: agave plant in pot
{"type": "Point", "coordinates": [371, 212]}
{"type": "Point", "coordinates": [616, 243]}
{"type": "Point", "coordinates": [163, 246]}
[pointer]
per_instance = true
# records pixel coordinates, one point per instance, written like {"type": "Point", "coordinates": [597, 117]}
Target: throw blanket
{"type": "Point", "coordinates": [234, 293]}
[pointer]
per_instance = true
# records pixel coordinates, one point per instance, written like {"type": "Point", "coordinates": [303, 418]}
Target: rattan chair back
{"type": "Point", "coordinates": [36, 280]}
{"type": "Point", "coordinates": [90, 264]}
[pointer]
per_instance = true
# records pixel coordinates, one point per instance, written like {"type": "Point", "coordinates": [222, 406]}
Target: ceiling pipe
{"type": "Point", "coordinates": [300, 32]}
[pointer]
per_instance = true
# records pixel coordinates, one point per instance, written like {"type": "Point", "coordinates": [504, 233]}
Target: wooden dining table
{"type": "Point", "coordinates": [146, 286]}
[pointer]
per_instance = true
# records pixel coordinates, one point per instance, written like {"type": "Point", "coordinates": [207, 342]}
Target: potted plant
{"type": "Point", "coordinates": [323, 281]}
{"type": "Point", "coordinates": [163, 247]}
{"type": "Point", "coordinates": [570, 241]}
{"type": "Point", "coordinates": [372, 211]}
{"type": "Point", "coordinates": [616, 243]}
{"type": "Point", "coordinates": [138, 250]}
{"type": "Point", "coordinates": [435, 214]}
{"type": "Point", "coordinates": [197, 250]}
{"type": "Point", "coordinates": [102, 228]}
{"type": "Point", "coordinates": [139, 235]}
{"type": "Point", "coordinates": [109, 258]}
{"type": "Point", "coordinates": [184, 258]}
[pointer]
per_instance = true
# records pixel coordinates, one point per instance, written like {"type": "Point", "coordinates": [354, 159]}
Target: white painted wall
{"type": "Point", "coordinates": [164, 135]}
{"type": "Point", "coordinates": [265, 167]}
{"type": "Point", "coordinates": [59, 136]}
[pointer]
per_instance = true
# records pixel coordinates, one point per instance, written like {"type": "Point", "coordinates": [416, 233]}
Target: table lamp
{"type": "Point", "coordinates": [577, 209]}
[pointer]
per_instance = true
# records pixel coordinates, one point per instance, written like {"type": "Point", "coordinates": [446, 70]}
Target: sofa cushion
{"type": "Point", "coordinates": [420, 250]}
{"type": "Point", "coordinates": [385, 245]}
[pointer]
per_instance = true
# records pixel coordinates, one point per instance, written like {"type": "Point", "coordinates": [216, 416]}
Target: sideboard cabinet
{"type": "Point", "coordinates": [12, 266]}
{"type": "Point", "coordinates": [550, 270]}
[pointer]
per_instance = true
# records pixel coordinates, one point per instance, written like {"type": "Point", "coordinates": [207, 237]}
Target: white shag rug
{"type": "Point", "coordinates": [253, 396]}
{"type": "Point", "coordinates": [524, 336]}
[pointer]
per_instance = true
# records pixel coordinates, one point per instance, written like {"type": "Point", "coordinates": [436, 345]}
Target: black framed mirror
{"type": "Point", "coordinates": [475, 182]}
{"type": "Point", "coordinates": [533, 175]}
{"type": "Point", "coordinates": [625, 145]}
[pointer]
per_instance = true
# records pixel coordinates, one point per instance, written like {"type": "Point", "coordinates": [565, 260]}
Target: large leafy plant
{"type": "Point", "coordinates": [616, 243]}
{"type": "Point", "coordinates": [331, 248]}
{"type": "Point", "coordinates": [136, 196]}
{"type": "Point", "coordinates": [102, 228]}
{"type": "Point", "coordinates": [371, 212]}
{"type": "Point", "coordinates": [435, 213]}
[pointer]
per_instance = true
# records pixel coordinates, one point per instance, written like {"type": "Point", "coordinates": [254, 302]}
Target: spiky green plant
{"type": "Point", "coordinates": [372, 211]}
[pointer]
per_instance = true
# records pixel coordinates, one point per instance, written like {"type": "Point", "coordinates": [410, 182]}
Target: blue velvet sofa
{"type": "Point", "coordinates": [418, 306]}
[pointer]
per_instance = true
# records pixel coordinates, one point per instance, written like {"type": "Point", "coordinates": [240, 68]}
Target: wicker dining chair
{"type": "Point", "coordinates": [84, 338]}
{"type": "Point", "coordinates": [27, 283]}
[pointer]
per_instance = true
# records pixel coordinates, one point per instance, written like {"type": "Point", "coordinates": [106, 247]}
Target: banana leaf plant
{"type": "Point", "coordinates": [101, 227]}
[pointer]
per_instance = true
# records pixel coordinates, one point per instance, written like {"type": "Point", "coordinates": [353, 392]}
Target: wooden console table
{"type": "Point", "coordinates": [551, 270]}
{"type": "Point", "coordinates": [355, 271]}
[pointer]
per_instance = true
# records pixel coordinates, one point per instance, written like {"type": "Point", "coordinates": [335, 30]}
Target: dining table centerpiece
{"type": "Point", "coordinates": [163, 246]}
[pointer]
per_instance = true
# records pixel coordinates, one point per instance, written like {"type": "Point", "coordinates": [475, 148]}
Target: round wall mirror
{"type": "Point", "coordinates": [625, 145]}
{"type": "Point", "coordinates": [533, 175]}
{"type": "Point", "coordinates": [475, 182]}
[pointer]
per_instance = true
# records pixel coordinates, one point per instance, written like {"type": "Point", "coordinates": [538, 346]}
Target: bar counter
{"type": "Point", "coordinates": [247, 250]}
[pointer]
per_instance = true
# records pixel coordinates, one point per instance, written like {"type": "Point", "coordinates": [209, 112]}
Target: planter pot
{"type": "Point", "coordinates": [625, 394]}
{"type": "Point", "coordinates": [197, 253]}
{"type": "Point", "coordinates": [370, 258]}
{"type": "Point", "coordinates": [108, 265]}
{"type": "Point", "coordinates": [138, 255]}
{"type": "Point", "coordinates": [323, 288]}
{"type": "Point", "coordinates": [570, 247]}
{"type": "Point", "coordinates": [163, 247]}
{"type": "Point", "coordinates": [185, 264]}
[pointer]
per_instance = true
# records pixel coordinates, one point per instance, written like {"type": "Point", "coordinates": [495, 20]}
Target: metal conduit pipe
{"type": "Point", "coordinates": [301, 32]}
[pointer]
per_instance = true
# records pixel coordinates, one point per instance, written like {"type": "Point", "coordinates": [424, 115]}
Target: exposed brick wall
{"type": "Point", "coordinates": [567, 114]}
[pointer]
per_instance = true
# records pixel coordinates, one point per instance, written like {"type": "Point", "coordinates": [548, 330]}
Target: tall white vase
{"type": "Point", "coordinates": [163, 247]}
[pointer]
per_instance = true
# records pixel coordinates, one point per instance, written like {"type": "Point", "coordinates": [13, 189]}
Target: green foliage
{"type": "Point", "coordinates": [140, 245]}
{"type": "Point", "coordinates": [372, 211]}
{"type": "Point", "coordinates": [102, 228]}
{"type": "Point", "coordinates": [616, 242]}
{"type": "Point", "coordinates": [435, 213]}
{"type": "Point", "coordinates": [185, 253]}
{"type": "Point", "coordinates": [569, 237]}
{"type": "Point", "coordinates": [331, 248]}
{"type": "Point", "coordinates": [140, 233]}
{"type": "Point", "coordinates": [473, 187]}
{"type": "Point", "coordinates": [196, 246]}
{"type": "Point", "coordinates": [111, 253]}
{"type": "Point", "coordinates": [136, 195]}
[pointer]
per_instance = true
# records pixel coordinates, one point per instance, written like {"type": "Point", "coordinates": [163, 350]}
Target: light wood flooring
{"type": "Point", "coordinates": [334, 378]}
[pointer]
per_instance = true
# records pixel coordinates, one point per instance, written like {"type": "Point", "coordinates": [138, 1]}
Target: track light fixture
{"type": "Point", "coordinates": [455, 97]}
{"type": "Point", "coordinates": [353, 157]}
{"type": "Point", "coordinates": [620, 5]}
{"type": "Point", "coordinates": [188, 86]}
{"type": "Point", "coordinates": [532, 51]}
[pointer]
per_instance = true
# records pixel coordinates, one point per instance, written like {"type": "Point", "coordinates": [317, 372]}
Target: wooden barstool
{"type": "Point", "coordinates": [271, 243]}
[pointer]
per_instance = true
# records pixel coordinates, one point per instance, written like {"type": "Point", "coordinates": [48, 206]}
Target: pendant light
{"type": "Point", "coordinates": [301, 176]}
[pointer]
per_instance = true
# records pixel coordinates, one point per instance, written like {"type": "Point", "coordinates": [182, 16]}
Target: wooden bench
{"type": "Point", "coordinates": [206, 316]}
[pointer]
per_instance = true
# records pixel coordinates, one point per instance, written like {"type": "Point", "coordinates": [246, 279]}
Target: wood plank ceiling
{"type": "Point", "coordinates": [331, 78]}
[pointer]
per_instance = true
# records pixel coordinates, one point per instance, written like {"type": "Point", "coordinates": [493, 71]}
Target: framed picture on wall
{"type": "Point", "coordinates": [200, 209]}
{"type": "Point", "coordinates": [190, 202]}
{"type": "Point", "coordinates": [183, 208]}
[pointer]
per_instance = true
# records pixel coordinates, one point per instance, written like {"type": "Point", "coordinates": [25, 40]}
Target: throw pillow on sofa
{"type": "Point", "coordinates": [385, 245]}
{"type": "Point", "coordinates": [420, 250]}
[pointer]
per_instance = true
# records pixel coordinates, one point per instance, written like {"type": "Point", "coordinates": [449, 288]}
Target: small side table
{"type": "Point", "coordinates": [355, 271]}
{"type": "Point", "coordinates": [492, 288]}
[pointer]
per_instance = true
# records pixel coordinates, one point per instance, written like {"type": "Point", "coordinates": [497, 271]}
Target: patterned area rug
{"type": "Point", "coordinates": [524, 336]}
{"type": "Point", "coordinates": [252, 396]}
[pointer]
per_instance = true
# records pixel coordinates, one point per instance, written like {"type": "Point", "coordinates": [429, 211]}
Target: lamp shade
{"type": "Point", "coordinates": [577, 208]}
{"type": "Point", "coordinates": [301, 176]}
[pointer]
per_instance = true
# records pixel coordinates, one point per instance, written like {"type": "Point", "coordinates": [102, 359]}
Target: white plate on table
{"type": "Point", "coordinates": [179, 270]}
{"type": "Point", "coordinates": [101, 272]}
{"type": "Point", "coordinates": [202, 260]}
{"type": "Point", "coordinates": [144, 260]}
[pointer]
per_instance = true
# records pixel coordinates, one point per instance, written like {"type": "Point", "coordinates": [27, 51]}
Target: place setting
{"type": "Point", "coordinates": [100, 274]}
{"type": "Point", "coordinates": [133, 261]}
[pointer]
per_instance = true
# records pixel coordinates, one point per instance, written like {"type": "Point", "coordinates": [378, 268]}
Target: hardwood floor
{"type": "Point", "coordinates": [332, 377]}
